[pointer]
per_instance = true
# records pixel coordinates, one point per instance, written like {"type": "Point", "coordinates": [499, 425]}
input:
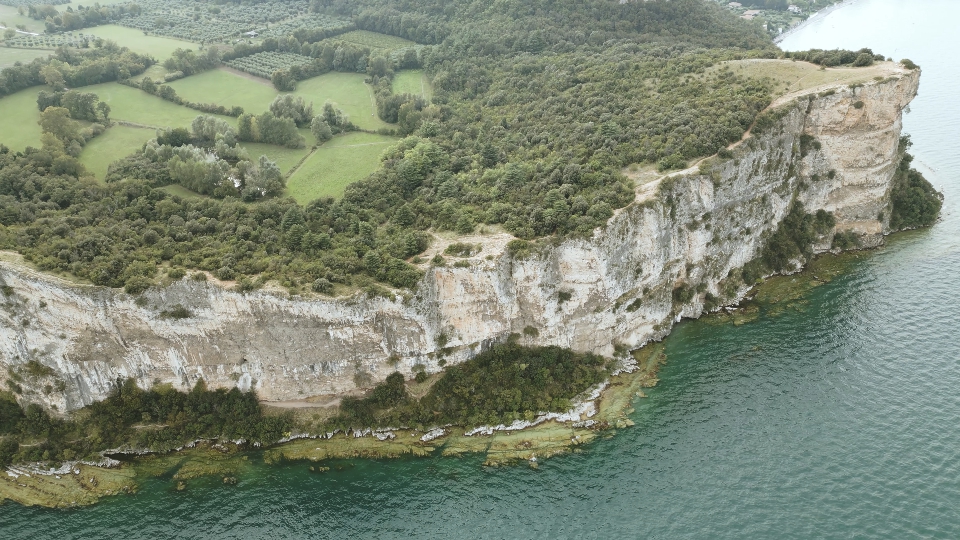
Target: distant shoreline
{"type": "Point", "coordinates": [817, 14]}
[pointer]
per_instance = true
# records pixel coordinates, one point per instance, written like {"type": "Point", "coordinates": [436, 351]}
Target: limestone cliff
{"type": "Point", "coordinates": [607, 294]}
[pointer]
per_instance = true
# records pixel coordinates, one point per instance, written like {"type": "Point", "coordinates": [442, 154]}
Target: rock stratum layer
{"type": "Point", "coordinates": [611, 293]}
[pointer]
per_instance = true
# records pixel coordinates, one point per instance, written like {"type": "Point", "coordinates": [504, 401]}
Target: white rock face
{"type": "Point", "coordinates": [588, 295]}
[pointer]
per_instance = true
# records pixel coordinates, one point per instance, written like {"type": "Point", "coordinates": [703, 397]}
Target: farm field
{"type": "Point", "coordinates": [375, 40]}
{"type": "Point", "coordinates": [340, 162]}
{"type": "Point", "coordinates": [346, 91]}
{"type": "Point", "coordinates": [115, 143]}
{"type": "Point", "coordinates": [412, 81]}
{"type": "Point", "coordinates": [159, 47]}
{"type": "Point", "coordinates": [9, 56]}
{"type": "Point", "coordinates": [133, 105]}
{"type": "Point", "coordinates": [226, 88]}
{"type": "Point", "coordinates": [20, 115]}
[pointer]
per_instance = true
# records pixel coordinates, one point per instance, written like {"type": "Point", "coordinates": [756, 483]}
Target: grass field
{"type": "Point", "coordinates": [285, 158]}
{"type": "Point", "coordinates": [226, 88]}
{"type": "Point", "coordinates": [155, 72]}
{"type": "Point", "coordinates": [340, 162]}
{"type": "Point", "coordinates": [9, 56]}
{"type": "Point", "coordinates": [19, 114]}
{"type": "Point", "coordinates": [115, 143]}
{"type": "Point", "coordinates": [375, 40]}
{"type": "Point", "coordinates": [159, 47]}
{"type": "Point", "coordinates": [139, 107]}
{"type": "Point", "coordinates": [412, 81]}
{"type": "Point", "coordinates": [345, 90]}
{"type": "Point", "coordinates": [9, 16]}
{"type": "Point", "coordinates": [348, 92]}
{"type": "Point", "coordinates": [790, 76]}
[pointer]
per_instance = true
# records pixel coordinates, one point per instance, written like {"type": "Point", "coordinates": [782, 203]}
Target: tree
{"type": "Point", "coordinates": [292, 107]}
{"type": "Point", "coordinates": [283, 81]}
{"type": "Point", "coordinates": [57, 122]}
{"type": "Point", "coordinates": [53, 77]}
{"type": "Point", "coordinates": [321, 129]}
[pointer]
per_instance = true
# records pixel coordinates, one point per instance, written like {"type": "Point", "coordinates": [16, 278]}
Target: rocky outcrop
{"type": "Point", "coordinates": [663, 257]}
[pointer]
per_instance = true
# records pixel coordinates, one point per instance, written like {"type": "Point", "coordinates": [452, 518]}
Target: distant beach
{"type": "Point", "coordinates": [816, 14]}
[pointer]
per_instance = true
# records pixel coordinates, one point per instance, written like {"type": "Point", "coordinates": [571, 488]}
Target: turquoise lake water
{"type": "Point", "coordinates": [840, 419]}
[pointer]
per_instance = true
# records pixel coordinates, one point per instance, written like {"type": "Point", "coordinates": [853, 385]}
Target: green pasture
{"type": "Point", "coordinates": [155, 72]}
{"type": "Point", "coordinates": [10, 17]}
{"type": "Point", "coordinates": [412, 81]}
{"type": "Point", "coordinates": [226, 88]}
{"type": "Point", "coordinates": [285, 158]}
{"type": "Point", "coordinates": [375, 40]}
{"type": "Point", "coordinates": [10, 56]}
{"type": "Point", "coordinates": [332, 167]}
{"type": "Point", "coordinates": [19, 126]}
{"type": "Point", "coordinates": [346, 91]}
{"type": "Point", "coordinates": [115, 143]}
{"type": "Point", "coordinates": [160, 48]}
{"type": "Point", "coordinates": [133, 105]}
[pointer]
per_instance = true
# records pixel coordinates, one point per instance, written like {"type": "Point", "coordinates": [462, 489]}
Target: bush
{"type": "Point", "coordinates": [322, 286]}
{"type": "Point", "coordinates": [914, 201]}
{"type": "Point", "coordinates": [176, 312]}
{"type": "Point", "coordinates": [907, 63]}
{"type": "Point", "coordinates": [137, 284]}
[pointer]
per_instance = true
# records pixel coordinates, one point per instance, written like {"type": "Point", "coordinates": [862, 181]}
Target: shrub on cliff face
{"type": "Point", "coordinates": [914, 201]}
{"type": "Point", "coordinates": [497, 386]}
{"type": "Point", "coordinates": [794, 237]}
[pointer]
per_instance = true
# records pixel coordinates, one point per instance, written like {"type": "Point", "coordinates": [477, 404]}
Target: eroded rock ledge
{"type": "Point", "coordinates": [605, 295]}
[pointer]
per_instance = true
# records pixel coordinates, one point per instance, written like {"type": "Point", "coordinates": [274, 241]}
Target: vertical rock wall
{"type": "Point", "coordinates": [64, 345]}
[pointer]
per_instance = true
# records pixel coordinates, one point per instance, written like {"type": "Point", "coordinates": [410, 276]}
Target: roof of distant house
{"type": "Point", "coordinates": [750, 14]}
{"type": "Point", "coordinates": [735, 4]}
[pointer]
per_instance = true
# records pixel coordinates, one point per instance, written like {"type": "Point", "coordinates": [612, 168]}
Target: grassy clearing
{"type": "Point", "coordinates": [175, 189]}
{"type": "Point", "coordinates": [155, 72]}
{"type": "Point", "coordinates": [19, 114]}
{"type": "Point", "coordinates": [791, 76]}
{"type": "Point", "coordinates": [9, 56]}
{"type": "Point", "coordinates": [226, 88]}
{"type": "Point", "coordinates": [413, 81]}
{"type": "Point", "coordinates": [337, 164]}
{"type": "Point", "coordinates": [285, 158]}
{"type": "Point", "coordinates": [9, 16]}
{"type": "Point", "coordinates": [375, 40]}
{"type": "Point", "coordinates": [346, 91]}
{"type": "Point", "coordinates": [160, 48]}
{"type": "Point", "coordinates": [115, 143]}
{"type": "Point", "coordinates": [133, 105]}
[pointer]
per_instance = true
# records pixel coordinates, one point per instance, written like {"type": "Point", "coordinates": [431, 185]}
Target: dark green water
{"type": "Point", "coordinates": [837, 419]}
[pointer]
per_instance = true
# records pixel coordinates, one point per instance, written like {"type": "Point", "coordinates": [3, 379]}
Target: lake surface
{"type": "Point", "coordinates": [838, 418]}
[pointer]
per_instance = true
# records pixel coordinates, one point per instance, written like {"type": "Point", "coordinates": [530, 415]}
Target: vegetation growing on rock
{"type": "Point", "coordinates": [914, 202]}
{"type": "Point", "coordinates": [504, 384]}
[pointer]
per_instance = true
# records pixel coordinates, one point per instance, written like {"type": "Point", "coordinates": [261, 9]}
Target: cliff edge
{"type": "Point", "coordinates": [672, 253]}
